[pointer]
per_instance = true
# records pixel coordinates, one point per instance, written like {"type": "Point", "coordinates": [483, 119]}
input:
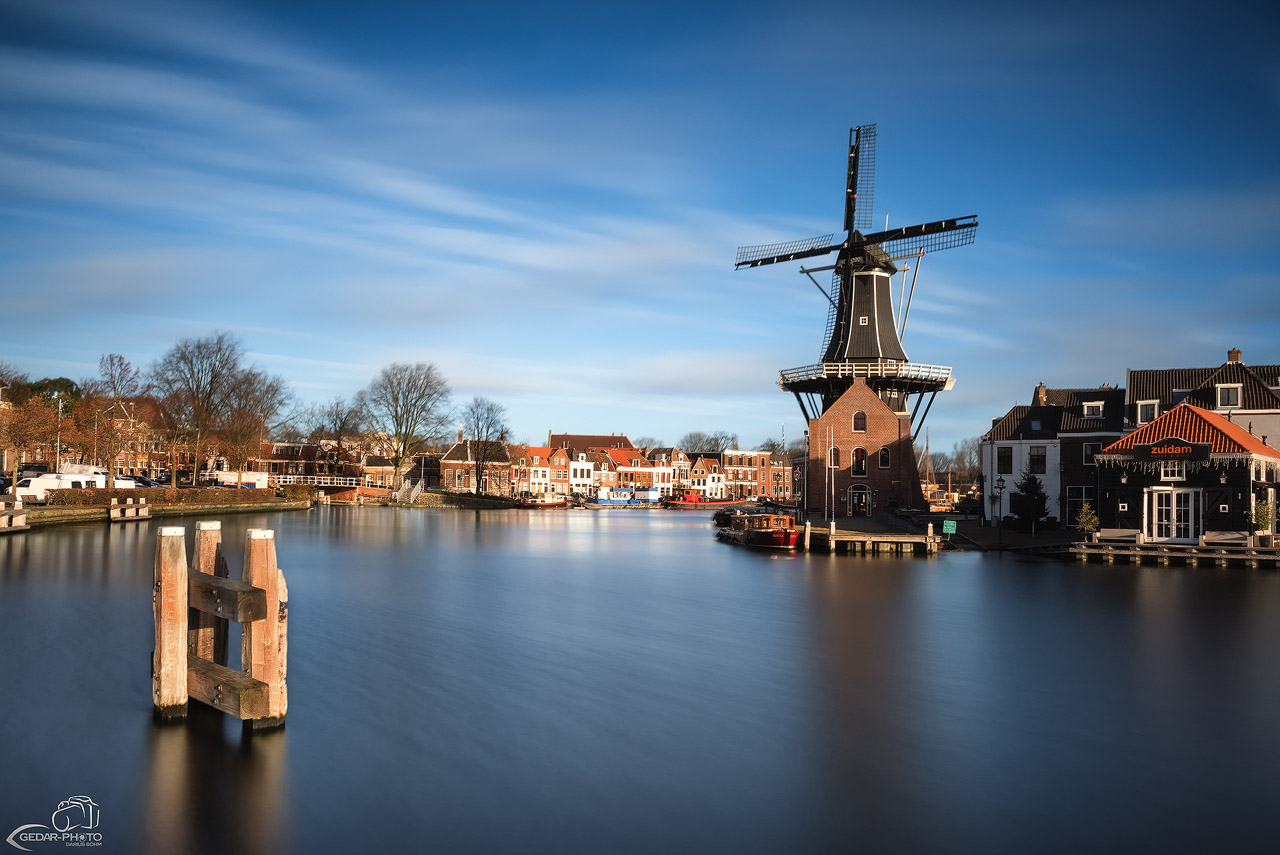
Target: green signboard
{"type": "Point", "coordinates": [948, 526]}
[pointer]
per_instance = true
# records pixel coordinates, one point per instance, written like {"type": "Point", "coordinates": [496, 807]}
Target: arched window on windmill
{"type": "Point", "coordinates": [858, 465]}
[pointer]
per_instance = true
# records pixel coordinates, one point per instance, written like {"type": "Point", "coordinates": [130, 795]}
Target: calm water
{"type": "Point", "coordinates": [620, 682]}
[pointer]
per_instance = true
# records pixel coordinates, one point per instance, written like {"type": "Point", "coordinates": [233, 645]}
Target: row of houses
{"type": "Point", "coordinates": [1174, 454]}
{"type": "Point", "coordinates": [599, 466]}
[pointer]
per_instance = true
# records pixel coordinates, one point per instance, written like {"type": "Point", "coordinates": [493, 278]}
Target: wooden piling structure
{"type": "Point", "coordinates": [191, 614]}
{"type": "Point", "coordinates": [169, 607]}
{"type": "Point", "coordinates": [207, 634]}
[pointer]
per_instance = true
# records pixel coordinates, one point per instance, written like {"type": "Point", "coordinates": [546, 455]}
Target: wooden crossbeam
{"type": "Point", "coordinates": [228, 691]}
{"type": "Point", "coordinates": [225, 598]}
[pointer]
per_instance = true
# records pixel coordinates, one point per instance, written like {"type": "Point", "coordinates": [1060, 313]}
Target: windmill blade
{"type": "Point", "coordinates": [754, 256]}
{"type": "Point", "coordinates": [861, 184]}
{"type": "Point", "coordinates": [910, 241]}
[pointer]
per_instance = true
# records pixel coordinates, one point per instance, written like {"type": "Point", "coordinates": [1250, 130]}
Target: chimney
{"type": "Point", "coordinates": [503, 437]}
{"type": "Point", "coordinates": [459, 434]}
{"type": "Point", "coordinates": [1041, 397]}
{"type": "Point", "coordinates": [1233, 355]}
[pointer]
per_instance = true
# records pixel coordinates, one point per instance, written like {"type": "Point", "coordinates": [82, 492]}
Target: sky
{"type": "Point", "coordinates": [544, 200]}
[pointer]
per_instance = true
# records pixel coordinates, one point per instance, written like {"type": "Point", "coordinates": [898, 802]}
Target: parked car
{"type": "Point", "coordinates": [32, 470]}
{"type": "Point", "coordinates": [184, 477]}
{"type": "Point", "coordinates": [144, 481]}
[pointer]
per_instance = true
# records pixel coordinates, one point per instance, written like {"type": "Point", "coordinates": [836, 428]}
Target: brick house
{"type": "Point", "coordinates": [1187, 474]}
{"type": "Point", "coordinates": [707, 478]}
{"type": "Point", "coordinates": [458, 467]}
{"type": "Point", "coordinates": [1055, 438]}
{"type": "Point", "coordinates": [861, 457]}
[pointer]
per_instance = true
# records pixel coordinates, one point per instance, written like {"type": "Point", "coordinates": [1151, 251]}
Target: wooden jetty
{"type": "Point", "coordinates": [191, 610]}
{"type": "Point", "coordinates": [1188, 555]}
{"type": "Point", "coordinates": [850, 542]}
{"type": "Point", "coordinates": [129, 511]}
{"type": "Point", "coordinates": [13, 517]}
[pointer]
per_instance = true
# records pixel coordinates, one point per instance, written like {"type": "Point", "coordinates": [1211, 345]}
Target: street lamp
{"type": "Point", "coordinates": [58, 452]}
{"type": "Point", "coordinates": [999, 491]}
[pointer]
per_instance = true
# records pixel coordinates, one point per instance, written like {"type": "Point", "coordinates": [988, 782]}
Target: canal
{"type": "Point", "coordinates": [618, 682]}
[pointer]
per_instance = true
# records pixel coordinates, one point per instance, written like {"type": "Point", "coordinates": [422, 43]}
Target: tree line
{"type": "Point", "coordinates": [203, 395]}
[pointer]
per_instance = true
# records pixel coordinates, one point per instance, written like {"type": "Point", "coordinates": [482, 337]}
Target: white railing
{"type": "Point", "coordinates": [316, 480]}
{"type": "Point", "coordinates": [902, 370]}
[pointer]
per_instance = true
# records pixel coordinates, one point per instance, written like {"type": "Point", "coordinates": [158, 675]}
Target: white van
{"type": "Point", "coordinates": [34, 489]}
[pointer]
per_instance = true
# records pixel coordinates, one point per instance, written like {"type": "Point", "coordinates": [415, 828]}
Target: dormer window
{"type": "Point", "coordinates": [1229, 396]}
{"type": "Point", "coordinates": [1035, 424]}
{"type": "Point", "coordinates": [1093, 410]}
{"type": "Point", "coordinates": [1147, 411]}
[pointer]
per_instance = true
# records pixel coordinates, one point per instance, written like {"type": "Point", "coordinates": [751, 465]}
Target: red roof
{"type": "Point", "coordinates": [1195, 425]}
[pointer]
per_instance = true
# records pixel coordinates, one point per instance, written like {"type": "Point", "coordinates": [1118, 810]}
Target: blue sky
{"type": "Point", "coordinates": [545, 199]}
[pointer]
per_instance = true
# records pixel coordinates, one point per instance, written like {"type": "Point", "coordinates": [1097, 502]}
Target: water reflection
{"type": "Point", "coordinates": [214, 787]}
{"type": "Point", "coordinates": [618, 681]}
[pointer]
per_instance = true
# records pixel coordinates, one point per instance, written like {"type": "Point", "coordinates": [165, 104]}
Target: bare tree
{"type": "Point", "coordinates": [482, 423]}
{"type": "Point", "coordinates": [118, 385]}
{"type": "Point", "coordinates": [409, 404]}
{"type": "Point", "coordinates": [337, 419]}
{"type": "Point", "coordinates": [254, 400]}
{"type": "Point", "coordinates": [29, 426]}
{"type": "Point", "coordinates": [699, 441]}
{"type": "Point", "coordinates": [966, 456]}
{"type": "Point", "coordinates": [773, 446]}
{"type": "Point", "coordinates": [647, 443]}
{"type": "Point", "coordinates": [193, 384]}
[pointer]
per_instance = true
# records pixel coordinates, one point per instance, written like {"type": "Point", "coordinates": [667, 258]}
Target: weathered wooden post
{"type": "Point", "coordinates": [207, 636]}
{"type": "Point", "coordinates": [169, 607]}
{"type": "Point", "coordinates": [808, 527]}
{"type": "Point", "coordinates": [183, 666]}
{"type": "Point", "coordinates": [264, 649]}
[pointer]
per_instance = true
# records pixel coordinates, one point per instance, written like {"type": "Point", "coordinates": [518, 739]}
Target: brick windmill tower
{"type": "Point", "coordinates": [857, 400]}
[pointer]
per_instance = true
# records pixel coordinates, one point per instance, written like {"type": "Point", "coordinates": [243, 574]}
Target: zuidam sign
{"type": "Point", "coordinates": [1172, 449]}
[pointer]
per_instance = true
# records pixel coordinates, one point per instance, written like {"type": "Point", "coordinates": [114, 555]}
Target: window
{"type": "Point", "coordinates": [862, 320]}
{"type": "Point", "coordinates": [1228, 397]}
{"type": "Point", "coordinates": [1178, 395]}
{"type": "Point", "coordinates": [1146, 411]}
{"type": "Point", "coordinates": [860, 421]}
{"type": "Point", "coordinates": [884, 458]}
{"type": "Point", "coordinates": [833, 457]}
{"type": "Point", "coordinates": [1037, 461]}
{"type": "Point", "coordinates": [1004, 460]}
{"type": "Point", "coordinates": [1035, 424]}
{"type": "Point", "coordinates": [1173, 470]}
{"type": "Point", "coordinates": [858, 466]}
{"type": "Point", "coordinates": [1093, 410]}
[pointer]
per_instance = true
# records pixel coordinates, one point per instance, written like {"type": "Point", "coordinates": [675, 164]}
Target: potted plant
{"type": "Point", "coordinates": [1264, 515]}
{"type": "Point", "coordinates": [1087, 520]}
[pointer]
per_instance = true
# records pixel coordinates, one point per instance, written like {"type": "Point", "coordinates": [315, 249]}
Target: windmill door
{"type": "Point", "coordinates": [859, 501]}
{"type": "Point", "coordinates": [1172, 515]}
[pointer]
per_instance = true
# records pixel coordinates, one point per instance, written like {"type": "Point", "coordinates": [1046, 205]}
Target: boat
{"type": "Point", "coordinates": [699, 502]}
{"type": "Point", "coordinates": [762, 531]}
{"type": "Point", "coordinates": [542, 500]}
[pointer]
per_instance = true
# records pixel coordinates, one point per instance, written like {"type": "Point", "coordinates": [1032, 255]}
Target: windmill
{"type": "Point", "coordinates": [863, 337]}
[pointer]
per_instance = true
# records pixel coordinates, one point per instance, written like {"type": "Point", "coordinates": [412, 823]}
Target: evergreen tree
{"type": "Point", "coordinates": [1028, 501]}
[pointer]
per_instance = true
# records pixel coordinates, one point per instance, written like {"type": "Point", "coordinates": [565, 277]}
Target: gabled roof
{"type": "Point", "coordinates": [1072, 401]}
{"type": "Point", "coordinates": [626, 457]}
{"type": "Point", "coordinates": [1024, 422]}
{"type": "Point", "coordinates": [583, 440]}
{"type": "Point", "coordinates": [601, 460]}
{"type": "Point", "coordinates": [1195, 425]}
{"type": "Point", "coordinates": [1159, 384]}
{"type": "Point", "coordinates": [541, 452]}
{"type": "Point", "coordinates": [466, 452]}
